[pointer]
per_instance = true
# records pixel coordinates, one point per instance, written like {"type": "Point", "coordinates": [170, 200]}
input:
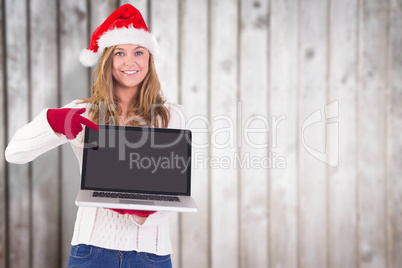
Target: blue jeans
{"type": "Point", "coordinates": [89, 256]}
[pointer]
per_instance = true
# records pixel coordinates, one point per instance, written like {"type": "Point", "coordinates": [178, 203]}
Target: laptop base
{"type": "Point", "coordinates": [85, 199]}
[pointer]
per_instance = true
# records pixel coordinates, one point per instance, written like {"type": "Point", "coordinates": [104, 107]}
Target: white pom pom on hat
{"type": "Point", "coordinates": [88, 58]}
{"type": "Point", "coordinates": [124, 26]}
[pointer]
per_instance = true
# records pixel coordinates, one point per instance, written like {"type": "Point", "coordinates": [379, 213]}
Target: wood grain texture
{"type": "Point", "coordinates": [74, 37]}
{"type": "Point", "coordinates": [371, 133]}
{"type": "Point", "coordinates": [342, 179]}
{"type": "Point", "coordinates": [194, 95]}
{"type": "Point", "coordinates": [313, 96]}
{"type": "Point", "coordinates": [254, 130]}
{"type": "Point", "coordinates": [164, 26]}
{"type": "Point", "coordinates": [394, 130]}
{"type": "Point", "coordinates": [19, 220]}
{"type": "Point", "coordinates": [3, 133]}
{"type": "Point", "coordinates": [45, 169]}
{"type": "Point", "coordinates": [223, 112]}
{"type": "Point", "coordinates": [285, 133]}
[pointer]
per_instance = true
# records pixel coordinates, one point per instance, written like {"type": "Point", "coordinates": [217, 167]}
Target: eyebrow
{"type": "Point", "coordinates": [120, 48]}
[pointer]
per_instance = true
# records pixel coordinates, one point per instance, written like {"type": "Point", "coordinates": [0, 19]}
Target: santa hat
{"type": "Point", "coordinates": [124, 26]}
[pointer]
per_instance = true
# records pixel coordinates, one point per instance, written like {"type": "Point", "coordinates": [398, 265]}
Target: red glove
{"type": "Point", "coordinates": [67, 121]}
{"type": "Point", "coordinates": [140, 213]}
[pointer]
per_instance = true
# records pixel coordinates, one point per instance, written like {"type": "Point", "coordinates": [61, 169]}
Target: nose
{"type": "Point", "coordinates": [130, 60]}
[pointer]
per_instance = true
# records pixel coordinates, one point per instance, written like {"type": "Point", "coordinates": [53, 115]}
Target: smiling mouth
{"type": "Point", "coordinates": [129, 72]}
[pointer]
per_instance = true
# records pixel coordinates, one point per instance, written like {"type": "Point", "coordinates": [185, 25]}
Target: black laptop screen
{"type": "Point", "coordinates": [137, 159]}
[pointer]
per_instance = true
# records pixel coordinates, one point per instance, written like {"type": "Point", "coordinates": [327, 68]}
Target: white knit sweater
{"type": "Point", "coordinates": [97, 226]}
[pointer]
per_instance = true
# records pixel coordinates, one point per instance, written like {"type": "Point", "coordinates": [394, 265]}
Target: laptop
{"type": "Point", "coordinates": [138, 168]}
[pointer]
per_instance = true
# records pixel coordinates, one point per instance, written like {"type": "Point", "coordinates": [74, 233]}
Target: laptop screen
{"type": "Point", "coordinates": [137, 160]}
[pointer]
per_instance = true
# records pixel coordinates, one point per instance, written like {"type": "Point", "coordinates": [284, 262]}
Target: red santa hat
{"type": "Point", "coordinates": [124, 26]}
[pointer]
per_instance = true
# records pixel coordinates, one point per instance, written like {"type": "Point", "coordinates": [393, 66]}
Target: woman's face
{"type": "Point", "coordinates": [129, 66]}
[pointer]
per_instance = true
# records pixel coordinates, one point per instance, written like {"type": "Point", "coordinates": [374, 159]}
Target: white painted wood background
{"type": "Point", "coordinates": [234, 65]}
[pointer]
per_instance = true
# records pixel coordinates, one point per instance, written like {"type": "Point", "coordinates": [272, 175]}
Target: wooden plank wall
{"type": "Point", "coordinates": [3, 181]}
{"type": "Point", "coordinates": [296, 112]}
{"type": "Point", "coordinates": [18, 104]}
{"type": "Point", "coordinates": [342, 193]}
{"type": "Point", "coordinates": [283, 108]}
{"type": "Point", "coordinates": [45, 170]}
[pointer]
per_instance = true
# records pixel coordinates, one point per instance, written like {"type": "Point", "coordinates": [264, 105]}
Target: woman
{"type": "Point", "coordinates": [125, 91]}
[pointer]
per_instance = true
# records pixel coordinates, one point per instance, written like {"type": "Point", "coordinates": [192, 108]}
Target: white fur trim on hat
{"type": "Point", "coordinates": [130, 35]}
{"type": "Point", "coordinates": [88, 58]}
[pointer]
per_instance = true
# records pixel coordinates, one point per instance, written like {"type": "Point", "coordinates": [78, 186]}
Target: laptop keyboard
{"type": "Point", "coordinates": [137, 196]}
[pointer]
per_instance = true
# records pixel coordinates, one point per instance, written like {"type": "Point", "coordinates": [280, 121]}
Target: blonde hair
{"type": "Point", "coordinates": [147, 108]}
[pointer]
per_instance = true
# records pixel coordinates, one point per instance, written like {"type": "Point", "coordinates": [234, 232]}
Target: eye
{"type": "Point", "coordinates": [139, 53]}
{"type": "Point", "coordinates": [119, 53]}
